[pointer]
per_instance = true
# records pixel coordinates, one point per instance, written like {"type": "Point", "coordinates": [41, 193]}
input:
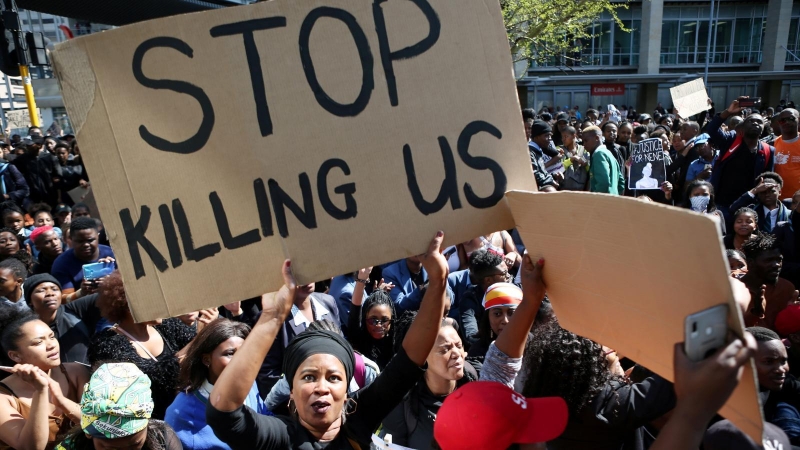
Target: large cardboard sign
{"type": "Point", "coordinates": [337, 134]}
{"type": "Point", "coordinates": [690, 98]}
{"type": "Point", "coordinates": [610, 281]}
{"type": "Point", "coordinates": [648, 170]}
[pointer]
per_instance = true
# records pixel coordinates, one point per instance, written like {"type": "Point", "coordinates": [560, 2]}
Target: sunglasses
{"type": "Point", "coordinates": [374, 321]}
{"type": "Point", "coordinates": [787, 119]}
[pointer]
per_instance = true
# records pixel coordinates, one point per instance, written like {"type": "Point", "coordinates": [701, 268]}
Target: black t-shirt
{"type": "Point", "coordinates": [737, 176]}
{"type": "Point", "coordinates": [74, 327]}
{"type": "Point", "coordinates": [244, 429]}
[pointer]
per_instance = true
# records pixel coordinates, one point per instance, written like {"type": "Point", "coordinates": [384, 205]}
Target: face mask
{"type": "Point", "coordinates": [700, 204]}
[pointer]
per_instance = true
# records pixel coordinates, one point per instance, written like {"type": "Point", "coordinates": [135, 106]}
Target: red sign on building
{"type": "Point", "coordinates": [608, 89]}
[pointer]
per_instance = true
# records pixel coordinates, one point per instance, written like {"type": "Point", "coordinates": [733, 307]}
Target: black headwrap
{"type": "Point", "coordinates": [315, 342]}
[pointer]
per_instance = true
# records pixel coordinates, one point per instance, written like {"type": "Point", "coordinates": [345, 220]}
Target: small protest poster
{"type": "Point", "coordinates": [19, 119]}
{"type": "Point", "coordinates": [335, 124]}
{"type": "Point", "coordinates": [648, 170]}
{"type": "Point", "coordinates": [690, 98]}
{"type": "Point", "coordinates": [85, 195]}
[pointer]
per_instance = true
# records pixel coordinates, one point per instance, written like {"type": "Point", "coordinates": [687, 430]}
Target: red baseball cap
{"type": "Point", "coordinates": [487, 415]}
{"type": "Point", "coordinates": [788, 321]}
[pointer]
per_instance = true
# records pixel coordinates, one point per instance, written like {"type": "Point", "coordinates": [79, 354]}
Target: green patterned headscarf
{"type": "Point", "coordinates": [116, 401]}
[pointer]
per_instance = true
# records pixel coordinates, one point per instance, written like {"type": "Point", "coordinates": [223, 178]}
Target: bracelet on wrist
{"type": "Point", "coordinates": [364, 281]}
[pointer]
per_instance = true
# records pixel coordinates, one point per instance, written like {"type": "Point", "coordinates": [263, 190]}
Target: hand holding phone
{"type": "Point", "coordinates": [97, 270]}
{"type": "Point", "coordinates": [749, 102]}
{"type": "Point", "coordinates": [706, 332]}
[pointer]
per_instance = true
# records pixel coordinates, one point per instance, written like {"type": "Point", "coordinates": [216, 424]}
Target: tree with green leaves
{"type": "Point", "coordinates": [544, 30]}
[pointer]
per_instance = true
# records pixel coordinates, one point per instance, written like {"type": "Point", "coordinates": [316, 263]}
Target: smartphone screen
{"type": "Point", "coordinates": [749, 102]}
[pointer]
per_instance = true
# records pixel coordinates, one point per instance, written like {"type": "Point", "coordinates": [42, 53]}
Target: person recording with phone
{"type": "Point", "coordinates": [86, 249]}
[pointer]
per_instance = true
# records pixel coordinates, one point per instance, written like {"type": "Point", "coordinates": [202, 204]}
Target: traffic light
{"type": "Point", "coordinates": [9, 63]}
{"type": "Point", "coordinates": [36, 49]}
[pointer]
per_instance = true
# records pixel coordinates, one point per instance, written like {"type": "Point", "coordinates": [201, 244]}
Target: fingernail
{"type": "Point", "coordinates": [439, 233]}
{"type": "Point", "coordinates": [541, 261]}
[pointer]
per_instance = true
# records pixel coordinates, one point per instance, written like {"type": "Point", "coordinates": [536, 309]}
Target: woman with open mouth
{"type": "Point", "coordinates": [411, 422]}
{"type": "Point", "coordinates": [318, 366]}
{"type": "Point", "coordinates": [73, 323]}
{"type": "Point", "coordinates": [38, 402]}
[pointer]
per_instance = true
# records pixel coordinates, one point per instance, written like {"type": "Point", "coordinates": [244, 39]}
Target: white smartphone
{"type": "Point", "coordinates": [706, 332]}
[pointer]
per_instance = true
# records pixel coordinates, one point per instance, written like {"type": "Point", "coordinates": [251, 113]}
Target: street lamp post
{"type": "Point", "coordinates": [711, 29]}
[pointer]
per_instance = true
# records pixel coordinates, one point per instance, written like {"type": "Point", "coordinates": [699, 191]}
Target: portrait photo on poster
{"type": "Point", "coordinates": [648, 170]}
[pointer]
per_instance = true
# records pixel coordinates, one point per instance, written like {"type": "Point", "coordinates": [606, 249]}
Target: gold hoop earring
{"type": "Point", "coordinates": [291, 405]}
{"type": "Point", "coordinates": [351, 405]}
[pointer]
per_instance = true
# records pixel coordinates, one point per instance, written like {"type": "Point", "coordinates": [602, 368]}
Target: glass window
{"type": "Point", "coordinates": [671, 12]}
{"type": "Point", "coordinates": [541, 99]}
{"type": "Point", "coordinates": [702, 42]}
{"type": "Point", "coordinates": [622, 44]}
{"type": "Point", "coordinates": [794, 41]}
{"type": "Point", "coordinates": [688, 43]}
{"type": "Point", "coordinates": [689, 13]}
{"type": "Point", "coordinates": [669, 42]}
{"type": "Point", "coordinates": [742, 38]}
{"type": "Point", "coordinates": [722, 42]}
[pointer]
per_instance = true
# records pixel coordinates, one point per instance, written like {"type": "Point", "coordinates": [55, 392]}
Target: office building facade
{"type": "Point", "coordinates": [754, 50]}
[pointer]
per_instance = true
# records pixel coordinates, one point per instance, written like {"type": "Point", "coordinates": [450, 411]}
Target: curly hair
{"type": "Point", "coordinates": [112, 297]}
{"type": "Point", "coordinates": [37, 208]}
{"type": "Point", "coordinates": [193, 371]}
{"type": "Point", "coordinates": [482, 263]}
{"type": "Point", "coordinates": [562, 364]}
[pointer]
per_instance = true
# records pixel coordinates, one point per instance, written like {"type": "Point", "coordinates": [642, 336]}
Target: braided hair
{"type": "Point", "coordinates": [381, 350]}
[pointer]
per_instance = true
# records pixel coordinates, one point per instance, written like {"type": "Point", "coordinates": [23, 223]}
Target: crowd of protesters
{"type": "Point", "coordinates": [456, 348]}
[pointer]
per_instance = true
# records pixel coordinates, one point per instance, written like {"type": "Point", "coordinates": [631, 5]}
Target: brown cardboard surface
{"type": "Point", "coordinates": [464, 78]}
{"type": "Point", "coordinates": [626, 273]}
{"type": "Point", "coordinates": [85, 195]}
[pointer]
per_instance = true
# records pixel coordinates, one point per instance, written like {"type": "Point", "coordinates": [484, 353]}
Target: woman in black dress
{"type": "Point", "coordinates": [153, 346]}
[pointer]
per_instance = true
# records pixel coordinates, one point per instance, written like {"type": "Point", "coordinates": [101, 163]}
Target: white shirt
{"type": "Point", "coordinates": [771, 215]}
